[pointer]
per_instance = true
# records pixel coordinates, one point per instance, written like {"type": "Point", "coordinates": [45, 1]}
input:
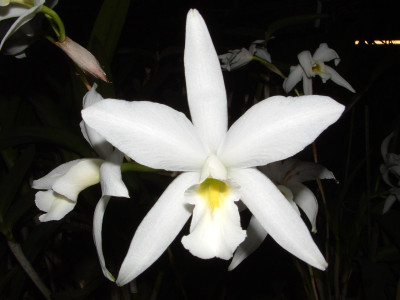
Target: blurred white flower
{"type": "Point", "coordinates": [65, 182]}
{"type": "Point", "coordinates": [390, 170]}
{"type": "Point", "coordinates": [23, 11]}
{"type": "Point", "coordinates": [288, 176]}
{"type": "Point", "coordinates": [24, 36]}
{"type": "Point", "coordinates": [310, 66]}
{"type": "Point", "coordinates": [236, 59]}
{"type": "Point", "coordinates": [217, 164]}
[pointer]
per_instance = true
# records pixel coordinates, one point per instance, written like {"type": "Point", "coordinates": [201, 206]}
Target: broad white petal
{"type": "Point", "coordinates": [97, 141]}
{"type": "Point", "coordinates": [82, 175]}
{"type": "Point", "coordinates": [4, 3]}
{"type": "Point", "coordinates": [204, 82]}
{"type": "Point", "coordinates": [55, 205]}
{"type": "Point", "coordinates": [295, 76]}
{"type": "Point", "coordinates": [277, 128]}
{"type": "Point", "coordinates": [306, 62]}
{"type": "Point", "coordinates": [23, 18]}
{"type": "Point", "coordinates": [339, 80]}
{"type": "Point", "coordinates": [277, 216]}
{"type": "Point", "coordinates": [306, 200]}
{"type": "Point", "coordinates": [324, 53]}
{"type": "Point", "coordinates": [97, 233]}
{"type": "Point", "coordinates": [153, 134]}
{"type": "Point", "coordinates": [46, 182]}
{"type": "Point", "coordinates": [158, 229]}
{"type": "Point", "coordinates": [215, 230]}
{"type": "Point", "coordinates": [110, 176]}
{"type": "Point", "coordinates": [256, 234]}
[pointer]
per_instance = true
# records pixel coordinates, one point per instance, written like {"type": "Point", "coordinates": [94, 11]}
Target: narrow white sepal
{"type": "Point", "coordinates": [97, 233]}
{"type": "Point", "coordinates": [277, 216]}
{"type": "Point", "coordinates": [158, 229]}
{"type": "Point", "coordinates": [256, 234]}
{"type": "Point", "coordinates": [204, 82]}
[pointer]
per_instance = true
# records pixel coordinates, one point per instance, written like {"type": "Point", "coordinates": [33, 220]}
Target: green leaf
{"type": "Point", "coordinates": [108, 26]}
{"type": "Point", "coordinates": [105, 36]}
{"type": "Point", "coordinates": [291, 21]}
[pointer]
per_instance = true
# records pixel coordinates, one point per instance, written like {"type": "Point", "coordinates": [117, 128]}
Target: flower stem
{"type": "Point", "coordinates": [26, 265]}
{"type": "Point", "coordinates": [55, 22]}
{"type": "Point", "coordinates": [126, 167]}
{"type": "Point", "coordinates": [270, 66]}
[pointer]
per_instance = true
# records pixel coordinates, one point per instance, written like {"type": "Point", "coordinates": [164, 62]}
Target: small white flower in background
{"type": "Point", "coordinates": [390, 170]}
{"type": "Point", "coordinates": [65, 182]}
{"type": "Point", "coordinates": [310, 66]}
{"type": "Point", "coordinates": [23, 11]}
{"type": "Point", "coordinates": [288, 176]}
{"type": "Point", "coordinates": [217, 163]}
{"type": "Point", "coordinates": [235, 59]}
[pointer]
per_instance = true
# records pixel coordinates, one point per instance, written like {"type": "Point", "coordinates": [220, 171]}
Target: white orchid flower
{"type": "Point", "coordinates": [65, 182]}
{"type": "Point", "coordinates": [390, 170]}
{"type": "Point", "coordinates": [23, 10]}
{"type": "Point", "coordinates": [310, 66]}
{"type": "Point", "coordinates": [236, 59]}
{"type": "Point", "coordinates": [217, 164]}
{"type": "Point", "coordinates": [24, 36]}
{"type": "Point", "coordinates": [288, 176]}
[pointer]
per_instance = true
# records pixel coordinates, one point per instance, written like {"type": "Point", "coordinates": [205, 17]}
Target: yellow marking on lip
{"type": "Point", "coordinates": [214, 192]}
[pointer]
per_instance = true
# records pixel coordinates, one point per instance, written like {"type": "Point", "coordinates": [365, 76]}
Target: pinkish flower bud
{"type": "Point", "coordinates": [83, 58]}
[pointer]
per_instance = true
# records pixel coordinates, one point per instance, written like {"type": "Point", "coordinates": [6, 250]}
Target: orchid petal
{"type": "Point", "coordinates": [277, 128]}
{"type": "Point", "coordinates": [324, 53]}
{"type": "Point", "coordinates": [306, 62]}
{"type": "Point", "coordinates": [23, 18]}
{"type": "Point", "coordinates": [158, 229]}
{"type": "Point", "coordinates": [46, 182]}
{"type": "Point", "coordinates": [97, 231]}
{"type": "Point", "coordinates": [214, 231]}
{"type": "Point", "coordinates": [390, 200]}
{"type": "Point", "coordinates": [301, 171]}
{"type": "Point", "coordinates": [204, 81]}
{"type": "Point", "coordinates": [277, 216]}
{"type": "Point", "coordinates": [98, 142]}
{"type": "Point", "coordinates": [295, 76]}
{"type": "Point", "coordinates": [256, 234]}
{"type": "Point", "coordinates": [339, 80]}
{"type": "Point", "coordinates": [82, 175]}
{"type": "Point", "coordinates": [55, 205]}
{"type": "Point", "coordinates": [110, 176]}
{"type": "Point", "coordinates": [307, 85]}
{"type": "Point", "coordinates": [306, 200]}
{"type": "Point", "coordinates": [153, 134]}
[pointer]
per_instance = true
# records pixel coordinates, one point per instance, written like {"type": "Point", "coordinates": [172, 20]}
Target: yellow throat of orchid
{"type": "Point", "coordinates": [214, 192]}
{"type": "Point", "coordinates": [316, 68]}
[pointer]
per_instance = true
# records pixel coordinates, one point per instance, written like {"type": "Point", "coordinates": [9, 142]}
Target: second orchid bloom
{"type": "Point", "coordinates": [217, 164]}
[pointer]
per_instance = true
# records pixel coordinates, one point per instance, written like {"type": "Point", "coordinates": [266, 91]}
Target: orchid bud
{"type": "Point", "coordinates": [83, 58]}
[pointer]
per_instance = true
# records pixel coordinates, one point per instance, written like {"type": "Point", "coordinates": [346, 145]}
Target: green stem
{"type": "Point", "coordinates": [126, 167]}
{"type": "Point", "coordinates": [55, 22]}
{"type": "Point", "coordinates": [26, 265]}
{"type": "Point", "coordinates": [270, 66]}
